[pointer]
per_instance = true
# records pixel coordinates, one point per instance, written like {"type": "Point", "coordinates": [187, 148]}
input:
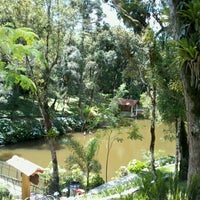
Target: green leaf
{"type": "Point", "coordinates": [91, 148]}
{"type": "Point", "coordinates": [15, 78]}
{"type": "Point", "coordinates": [51, 133]}
{"type": "Point", "coordinates": [134, 135]}
{"type": "Point", "coordinates": [11, 78]}
{"type": "Point", "coordinates": [27, 34]}
{"type": "Point", "coordinates": [26, 83]}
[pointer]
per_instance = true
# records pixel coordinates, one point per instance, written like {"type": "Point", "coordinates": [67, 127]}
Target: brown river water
{"type": "Point", "coordinates": [120, 154]}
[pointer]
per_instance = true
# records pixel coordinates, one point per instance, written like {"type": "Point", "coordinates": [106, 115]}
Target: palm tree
{"type": "Point", "coordinates": [83, 156]}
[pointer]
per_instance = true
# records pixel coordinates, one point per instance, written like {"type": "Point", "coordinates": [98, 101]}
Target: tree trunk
{"type": "Point", "coordinates": [107, 155]}
{"type": "Point", "coordinates": [88, 179]}
{"type": "Point", "coordinates": [184, 152]}
{"type": "Point", "coordinates": [178, 127]}
{"type": "Point", "coordinates": [44, 109]}
{"type": "Point", "coordinates": [189, 72]}
{"type": "Point", "coordinates": [55, 176]}
{"type": "Point", "coordinates": [192, 102]}
{"type": "Point", "coordinates": [152, 130]}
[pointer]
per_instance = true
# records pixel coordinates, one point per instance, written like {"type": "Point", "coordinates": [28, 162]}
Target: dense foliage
{"type": "Point", "coordinates": [63, 69]}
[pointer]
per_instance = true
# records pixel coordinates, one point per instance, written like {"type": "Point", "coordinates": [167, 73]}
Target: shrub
{"type": "Point", "coordinates": [47, 176]}
{"type": "Point", "coordinates": [69, 176]}
{"type": "Point", "coordinates": [165, 161]}
{"type": "Point", "coordinates": [122, 171]}
{"type": "Point", "coordinates": [19, 130]}
{"type": "Point", "coordinates": [96, 180]}
{"type": "Point", "coordinates": [165, 187]}
{"type": "Point", "coordinates": [76, 174]}
{"type": "Point", "coordinates": [4, 192]}
{"type": "Point", "coordinates": [194, 188]}
{"type": "Point", "coordinates": [67, 124]}
{"type": "Point", "coordinates": [136, 166]}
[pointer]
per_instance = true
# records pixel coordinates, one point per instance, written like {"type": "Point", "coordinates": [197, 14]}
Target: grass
{"type": "Point", "coordinates": [167, 168]}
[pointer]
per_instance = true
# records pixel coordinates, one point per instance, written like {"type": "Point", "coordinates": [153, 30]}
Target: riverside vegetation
{"type": "Point", "coordinates": [166, 187]}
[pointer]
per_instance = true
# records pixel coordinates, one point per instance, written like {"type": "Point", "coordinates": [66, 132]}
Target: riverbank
{"type": "Point", "coordinates": [99, 192]}
{"type": "Point", "coordinates": [112, 190]}
{"type": "Point", "coordinates": [94, 194]}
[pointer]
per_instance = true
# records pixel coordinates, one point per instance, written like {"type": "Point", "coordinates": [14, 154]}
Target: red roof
{"type": "Point", "coordinates": [128, 102]}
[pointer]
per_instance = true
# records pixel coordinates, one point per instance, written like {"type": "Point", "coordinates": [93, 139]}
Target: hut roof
{"type": "Point", "coordinates": [24, 165]}
{"type": "Point", "coordinates": [128, 102]}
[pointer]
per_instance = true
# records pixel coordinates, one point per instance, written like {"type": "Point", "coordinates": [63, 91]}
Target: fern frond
{"type": "Point", "coordinates": [91, 149]}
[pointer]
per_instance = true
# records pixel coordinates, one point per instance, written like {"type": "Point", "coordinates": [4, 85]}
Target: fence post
{"type": "Point", "coordinates": [25, 186]}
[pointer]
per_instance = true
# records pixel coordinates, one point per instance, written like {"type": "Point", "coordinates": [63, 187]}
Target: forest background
{"type": "Point", "coordinates": [62, 65]}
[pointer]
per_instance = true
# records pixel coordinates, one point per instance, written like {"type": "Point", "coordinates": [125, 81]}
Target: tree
{"type": "Point", "coordinates": [12, 55]}
{"type": "Point", "coordinates": [151, 75]}
{"type": "Point", "coordinates": [14, 75]}
{"type": "Point", "coordinates": [87, 23]}
{"type": "Point", "coordinates": [47, 20]}
{"type": "Point", "coordinates": [115, 47]}
{"type": "Point", "coordinates": [151, 84]}
{"type": "Point", "coordinates": [134, 13]}
{"type": "Point", "coordinates": [84, 156]}
{"type": "Point", "coordinates": [111, 138]}
{"type": "Point", "coordinates": [185, 18]}
{"type": "Point", "coordinates": [171, 106]}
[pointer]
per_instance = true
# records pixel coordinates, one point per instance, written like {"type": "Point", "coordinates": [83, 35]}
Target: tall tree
{"type": "Point", "coordinates": [136, 14]}
{"type": "Point", "coordinates": [47, 20]}
{"type": "Point", "coordinates": [171, 106]}
{"type": "Point", "coordinates": [186, 22]}
{"type": "Point", "coordinates": [149, 79]}
{"type": "Point", "coordinates": [89, 14]}
{"type": "Point", "coordinates": [115, 47]}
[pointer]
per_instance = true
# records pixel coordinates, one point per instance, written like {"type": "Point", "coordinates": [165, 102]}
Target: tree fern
{"type": "Point", "coordinates": [15, 46]}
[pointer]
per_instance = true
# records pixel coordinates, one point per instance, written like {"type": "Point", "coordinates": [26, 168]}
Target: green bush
{"type": "Point", "coordinates": [96, 180]}
{"type": "Point", "coordinates": [68, 176]}
{"type": "Point", "coordinates": [136, 166]}
{"type": "Point", "coordinates": [122, 171]}
{"type": "Point", "coordinates": [19, 130]}
{"type": "Point", "coordinates": [14, 131]}
{"type": "Point", "coordinates": [75, 174]}
{"type": "Point", "coordinates": [67, 124]}
{"type": "Point", "coordinates": [165, 161]}
{"type": "Point", "coordinates": [194, 188]}
{"type": "Point", "coordinates": [165, 187]}
{"type": "Point", "coordinates": [46, 178]}
{"type": "Point", "coordinates": [4, 193]}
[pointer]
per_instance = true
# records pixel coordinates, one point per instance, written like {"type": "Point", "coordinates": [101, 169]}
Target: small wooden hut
{"type": "Point", "coordinates": [129, 107]}
{"type": "Point", "coordinates": [29, 172]}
